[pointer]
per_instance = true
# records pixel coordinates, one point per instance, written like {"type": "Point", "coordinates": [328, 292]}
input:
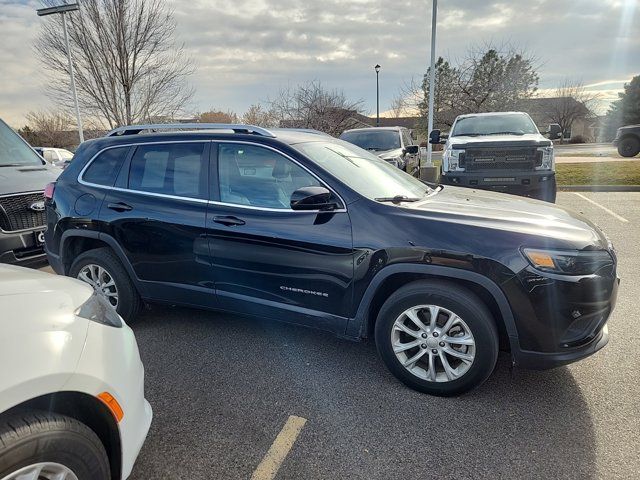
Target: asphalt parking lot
{"type": "Point", "coordinates": [223, 387]}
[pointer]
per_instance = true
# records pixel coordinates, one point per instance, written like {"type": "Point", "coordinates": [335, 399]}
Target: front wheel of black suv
{"type": "Point", "coordinates": [101, 269]}
{"type": "Point", "coordinates": [437, 337]}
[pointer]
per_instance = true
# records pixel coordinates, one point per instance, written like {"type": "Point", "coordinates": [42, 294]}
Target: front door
{"type": "Point", "coordinates": [157, 212]}
{"type": "Point", "coordinates": [270, 260]}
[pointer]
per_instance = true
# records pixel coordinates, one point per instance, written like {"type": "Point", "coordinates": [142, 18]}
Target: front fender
{"type": "Point", "coordinates": [356, 326]}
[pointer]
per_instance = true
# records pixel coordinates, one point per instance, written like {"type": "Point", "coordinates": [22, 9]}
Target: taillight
{"type": "Point", "coordinates": [48, 190]}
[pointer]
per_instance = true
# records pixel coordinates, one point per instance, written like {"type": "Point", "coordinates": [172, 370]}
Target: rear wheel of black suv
{"type": "Point", "coordinates": [101, 269]}
{"type": "Point", "coordinates": [437, 337]}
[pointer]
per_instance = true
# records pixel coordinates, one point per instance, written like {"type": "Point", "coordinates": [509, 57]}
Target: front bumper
{"type": "Point", "coordinates": [22, 248]}
{"type": "Point", "coordinates": [561, 320]}
{"type": "Point", "coordinates": [537, 184]}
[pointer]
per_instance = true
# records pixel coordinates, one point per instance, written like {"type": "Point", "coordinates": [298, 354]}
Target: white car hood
{"type": "Point", "coordinates": [41, 340]}
{"type": "Point", "coordinates": [528, 139]}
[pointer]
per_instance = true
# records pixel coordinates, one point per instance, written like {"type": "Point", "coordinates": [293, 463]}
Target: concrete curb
{"type": "Point", "coordinates": [599, 188]}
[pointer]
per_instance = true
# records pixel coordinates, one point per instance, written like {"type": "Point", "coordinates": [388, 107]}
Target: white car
{"type": "Point", "coordinates": [72, 403]}
{"type": "Point", "coordinates": [58, 157]}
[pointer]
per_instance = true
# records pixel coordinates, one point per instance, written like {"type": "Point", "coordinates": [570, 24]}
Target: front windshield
{"type": "Point", "coordinates": [513, 123]}
{"type": "Point", "coordinates": [362, 171]}
{"type": "Point", "coordinates": [13, 151]}
{"type": "Point", "coordinates": [375, 140]}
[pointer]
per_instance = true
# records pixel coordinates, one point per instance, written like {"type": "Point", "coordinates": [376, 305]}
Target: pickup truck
{"type": "Point", "coordinates": [500, 151]}
{"type": "Point", "coordinates": [628, 140]}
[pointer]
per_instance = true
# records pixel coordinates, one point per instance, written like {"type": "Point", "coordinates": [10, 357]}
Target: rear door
{"type": "Point", "coordinates": [157, 212]}
{"type": "Point", "coordinates": [268, 259]}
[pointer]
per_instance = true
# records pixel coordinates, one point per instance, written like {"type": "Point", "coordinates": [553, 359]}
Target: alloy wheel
{"type": "Point", "coordinates": [43, 471]}
{"type": "Point", "coordinates": [433, 343]}
{"type": "Point", "coordinates": [102, 282]}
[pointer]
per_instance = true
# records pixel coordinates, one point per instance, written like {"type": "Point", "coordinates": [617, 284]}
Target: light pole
{"type": "Point", "coordinates": [432, 78]}
{"type": "Point", "coordinates": [377, 69]}
{"type": "Point", "coordinates": [63, 10]}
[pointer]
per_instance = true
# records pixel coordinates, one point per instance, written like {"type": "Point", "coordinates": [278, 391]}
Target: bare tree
{"type": "Point", "coordinates": [50, 129]}
{"type": "Point", "coordinates": [128, 68]}
{"type": "Point", "coordinates": [258, 115]}
{"type": "Point", "coordinates": [310, 105]}
{"type": "Point", "coordinates": [488, 78]}
{"type": "Point", "coordinates": [571, 101]}
{"type": "Point", "coordinates": [398, 105]}
{"type": "Point", "coordinates": [217, 116]}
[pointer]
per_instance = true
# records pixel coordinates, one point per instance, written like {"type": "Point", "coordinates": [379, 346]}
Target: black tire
{"type": "Point", "coordinates": [456, 299]}
{"type": "Point", "coordinates": [129, 301]}
{"type": "Point", "coordinates": [35, 437]}
{"type": "Point", "coordinates": [629, 147]}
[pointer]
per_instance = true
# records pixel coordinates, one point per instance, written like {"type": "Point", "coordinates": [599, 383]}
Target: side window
{"type": "Point", "coordinates": [50, 156]}
{"type": "Point", "coordinates": [104, 168]}
{"type": "Point", "coordinates": [171, 169]}
{"type": "Point", "coordinates": [406, 138]}
{"type": "Point", "coordinates": [257, 176]}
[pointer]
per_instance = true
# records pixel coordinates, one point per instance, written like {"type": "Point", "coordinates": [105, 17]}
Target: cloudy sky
{"type": "Point", "coordinates": [245, 50]}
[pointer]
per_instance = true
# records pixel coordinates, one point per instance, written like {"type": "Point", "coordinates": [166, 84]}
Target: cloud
{"type": "Point", "coordinates": [245, 50]}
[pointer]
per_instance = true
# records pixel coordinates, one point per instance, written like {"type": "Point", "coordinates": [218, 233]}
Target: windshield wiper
{"type": "Point", "coordinates": [397, 199]}
{"type": "Point", "coordinates": [506, 133]}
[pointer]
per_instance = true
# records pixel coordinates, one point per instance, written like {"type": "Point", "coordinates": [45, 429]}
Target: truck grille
{"type": "Point", "coordinates": [15, 213]}
{"type": "Point", "coordinates": [481, 159]}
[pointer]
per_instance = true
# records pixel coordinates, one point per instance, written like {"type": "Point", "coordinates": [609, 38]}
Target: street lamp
{"type": "Point", "coordinates": [63, 10]}
{"type": "Point", "coordinates": [432, 78]}
{"type": "Point", "coordinates": [377, 69]}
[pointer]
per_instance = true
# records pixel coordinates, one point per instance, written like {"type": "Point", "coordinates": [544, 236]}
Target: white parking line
{"type": "Point", "coordinates": [280, 448]}
{"type": "Point", "coordinates": [622, 219]}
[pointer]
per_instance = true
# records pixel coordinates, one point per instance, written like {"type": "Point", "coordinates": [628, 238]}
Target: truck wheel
{"type": "Point", "coordinates": [101, 269]}
{"type": "Point", "coordinates": [49, 446]}
{"type": "Point", "coordinates": [629, 147]}
{"type": "Point", "coordinates": [437, 338]}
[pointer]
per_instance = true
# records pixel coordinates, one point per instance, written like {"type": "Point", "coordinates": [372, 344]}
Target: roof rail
{"type": "Point", "coordinates": [156, 127]}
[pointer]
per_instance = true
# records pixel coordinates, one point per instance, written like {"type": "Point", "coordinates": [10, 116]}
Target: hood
{"type": "Point", "coordinates": [386, 154]}
{"type": "Point", "coordinates": [27, 178]}
{"type": "Point", "coordinates": [555, 226]}
{"type": "Point", "coordinates": [16, 280]}
{"type": "Point", "coordinates": [531, 139]}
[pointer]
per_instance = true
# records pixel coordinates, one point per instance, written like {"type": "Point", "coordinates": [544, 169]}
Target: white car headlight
{"type": "Point", "coordinates": [547, 160]}
{"type": "Point", "coordinates": [451, 159]}
{"type": "Point", "coordinates": [98, 309]}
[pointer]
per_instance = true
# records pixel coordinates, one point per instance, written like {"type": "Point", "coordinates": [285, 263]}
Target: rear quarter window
{"type": "Point", "coordinates": [104, 168]}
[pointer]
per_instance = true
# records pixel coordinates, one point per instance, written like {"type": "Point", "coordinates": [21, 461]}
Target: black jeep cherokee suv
{"type": "Point", "coordinates": [301, 227]}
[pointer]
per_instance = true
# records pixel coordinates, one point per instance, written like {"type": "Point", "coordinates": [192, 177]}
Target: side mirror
{"type": "Point", "coordinates": [434, 137]}
{"type": "Point", "coordinates": [312, 198]}
{"type": "Point", "coordinates": [554, 131]}
{"type": "Point", "coordinates": [412, 149]}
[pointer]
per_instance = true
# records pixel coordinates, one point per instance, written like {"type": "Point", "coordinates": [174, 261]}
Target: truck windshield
{"type": "Point", "coordinates": [13, 151]}
{"type": "Point", "coordinates": [362, 171]}
{"type": "Point", "coordinates": [511, 123]}
{"type": "Point", "coordinates": [374, 140]}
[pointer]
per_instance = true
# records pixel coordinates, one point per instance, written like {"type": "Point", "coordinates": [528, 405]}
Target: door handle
{"type": "Point", "coordinates": [229, 221]}
{"type": "Point", "coordinates": [120, 207]}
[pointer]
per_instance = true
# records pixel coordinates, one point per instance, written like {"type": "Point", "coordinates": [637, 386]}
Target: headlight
{"type": "Point", "coordinates": [546, 162]}
{"type": "Point", "coordinates": [568, 262]}
{"type": "Point", "coordinates": [98, 309]}
{"type": "Point", "coordinates": [451, 159]}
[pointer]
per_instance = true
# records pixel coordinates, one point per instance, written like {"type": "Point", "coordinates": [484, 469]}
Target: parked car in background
{"type": "Point", "coordinates": [309, 229]}
{"type": "Point", "coordinates": [58, 157]}
{"type": "Point", "coordinates": [72, 400]}
{"type": "Point", "coordinates": [500, 151]}
{"type": "Point", "coordinates": [23, 176]}
{"type": "Point", "coordinates": [392, 144]}
{"type": "Point", "coordinates": [628, 140]}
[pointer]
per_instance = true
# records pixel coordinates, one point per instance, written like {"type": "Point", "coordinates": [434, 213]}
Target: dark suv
{"type": "Point", "coordinates": [308, 229]}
